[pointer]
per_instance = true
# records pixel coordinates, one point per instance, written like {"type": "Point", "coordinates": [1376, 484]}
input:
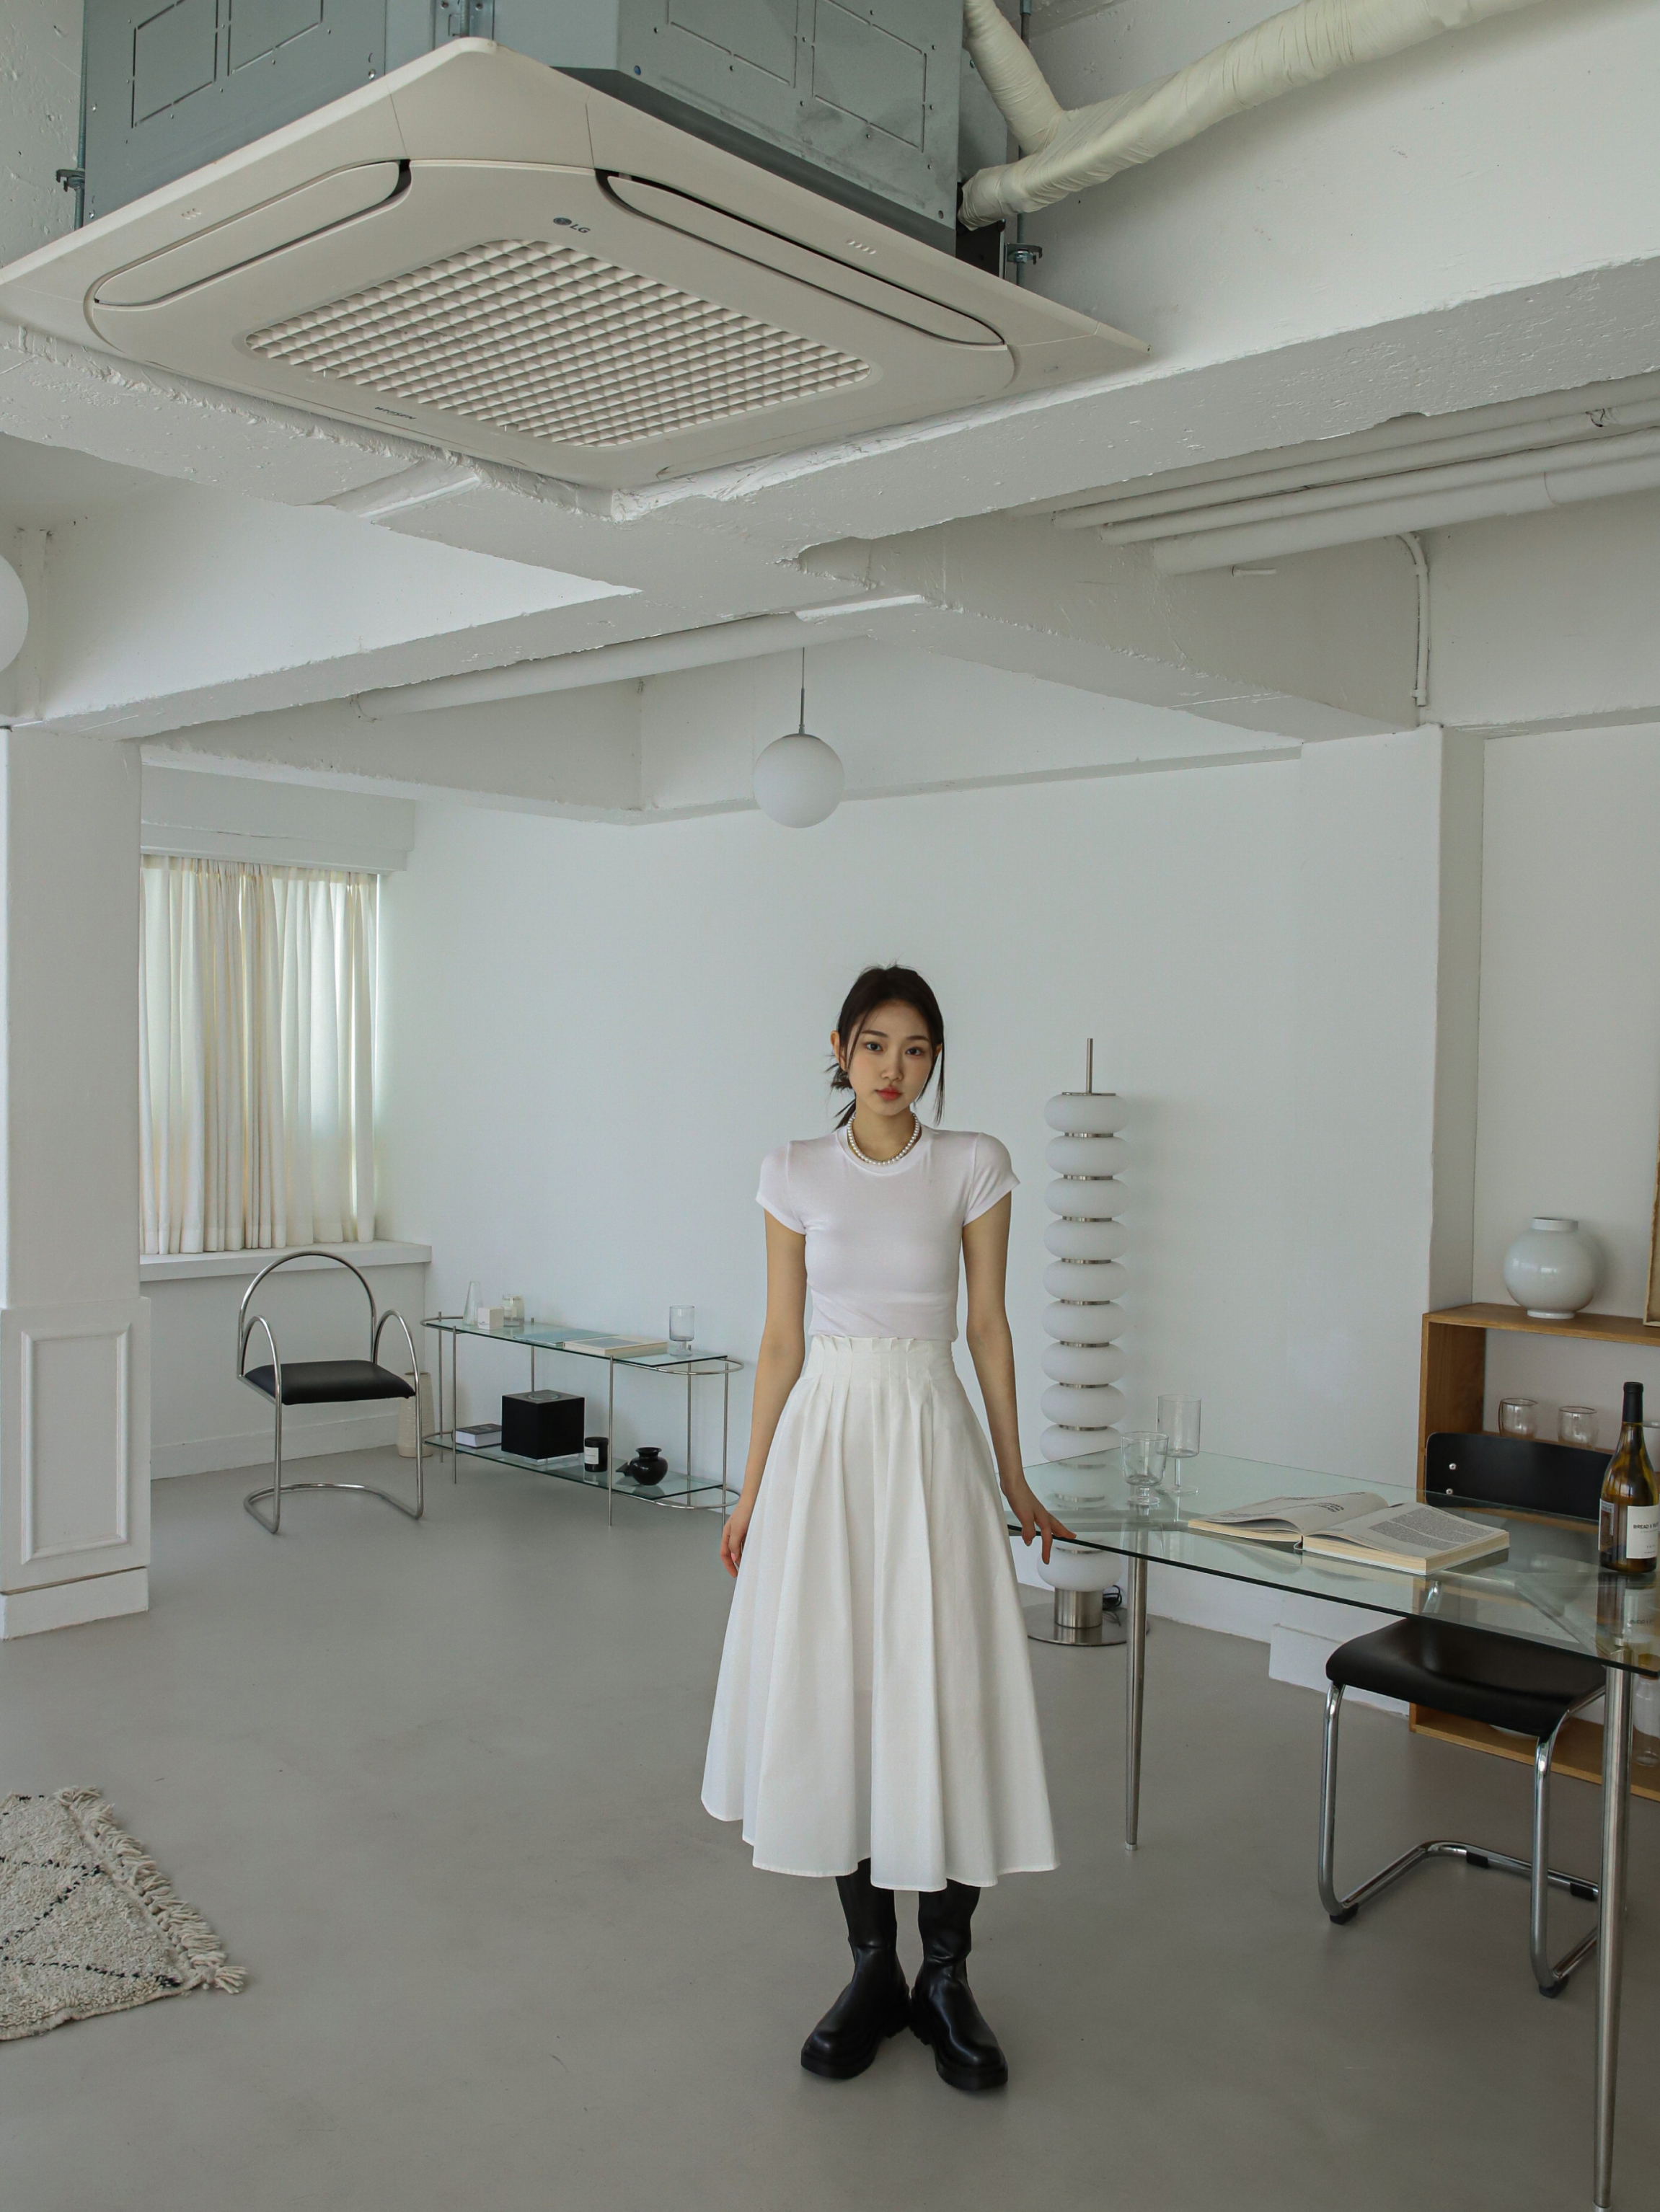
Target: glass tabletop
{"type": "Point", "coordinates": [584, 1343]}
{"type": "Point", "coordinates": [1548, 1589]}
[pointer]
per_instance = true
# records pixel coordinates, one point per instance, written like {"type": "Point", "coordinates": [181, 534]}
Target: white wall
{"type": "Point", "coordinates": [1543, 617]}
{"type": "Point", "coordinates": [1569, 1113]}
{"type": "Point", "coordinates": [1379, 1080]}
{"type": "Point", "coordinates": [590, 1037]}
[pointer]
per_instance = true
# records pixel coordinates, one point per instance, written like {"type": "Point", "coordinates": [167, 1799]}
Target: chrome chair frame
{"type": "Point", "coordinates": [245, 1325]}
{"type": "Point", "coordinates": [1541, 1877]}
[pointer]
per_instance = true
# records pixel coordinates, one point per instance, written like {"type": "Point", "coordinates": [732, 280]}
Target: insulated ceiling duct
{"type": "Point", "coordinates": [482, 252]}
{"type": "Point", "coordinates": [1067, 150]}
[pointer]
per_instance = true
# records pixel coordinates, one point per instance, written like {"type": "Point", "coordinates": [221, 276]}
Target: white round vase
{"type": "Point", "coordinates": [1551, 1269]}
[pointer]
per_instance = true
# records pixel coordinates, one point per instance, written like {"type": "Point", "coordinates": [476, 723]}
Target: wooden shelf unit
{"type": "Point", "coordinates": [1578, 1748]}
{"type": "Point", "coordinates": [1451, 1397]}
{"type": "Point", "coordinates": [1452, 1374]}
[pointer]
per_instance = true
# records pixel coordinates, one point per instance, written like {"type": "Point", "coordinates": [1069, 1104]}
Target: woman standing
{"type": "Point", "coordinates": [874, 1719]}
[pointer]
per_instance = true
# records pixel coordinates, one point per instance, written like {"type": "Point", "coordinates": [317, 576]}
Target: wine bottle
{"type": "Point", "coordinates": [1628, 1524]}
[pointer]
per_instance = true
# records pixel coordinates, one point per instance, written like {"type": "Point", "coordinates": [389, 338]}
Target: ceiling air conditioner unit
{"type": "Point", "coordinates": [493, 257]}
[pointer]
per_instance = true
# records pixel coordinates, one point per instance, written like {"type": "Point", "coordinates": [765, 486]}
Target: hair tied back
{"type": "Point", "coordinates": [880, 986]}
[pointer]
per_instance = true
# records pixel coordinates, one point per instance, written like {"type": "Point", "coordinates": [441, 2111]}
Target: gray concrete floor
{"type": "Point", "coordinates": [436, 1787]}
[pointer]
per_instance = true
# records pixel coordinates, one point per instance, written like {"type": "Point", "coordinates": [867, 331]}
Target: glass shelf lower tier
{"type": "Point", "coordinates": [670, 1490]}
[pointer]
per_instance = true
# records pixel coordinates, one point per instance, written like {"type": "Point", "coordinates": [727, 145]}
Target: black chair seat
{"type": "Point", "coordinates": [330, 1382]}
{"type": "Point", "coordinates": [1472, 1673]}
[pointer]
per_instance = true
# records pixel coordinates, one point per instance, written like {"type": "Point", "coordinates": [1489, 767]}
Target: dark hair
{"type": "Point", "coordinates": [878, 987]}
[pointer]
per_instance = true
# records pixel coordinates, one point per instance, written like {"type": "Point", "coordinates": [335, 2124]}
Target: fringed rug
{"type": "Point", "coordinates": [88, 1923]}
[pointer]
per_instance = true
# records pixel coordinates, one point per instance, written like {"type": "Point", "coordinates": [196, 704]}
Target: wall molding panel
{"type": "Point", "coordinates": [74, 1422]}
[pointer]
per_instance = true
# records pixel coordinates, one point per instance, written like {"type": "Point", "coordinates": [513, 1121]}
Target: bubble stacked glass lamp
{"type": "Point", "coordinates": [1084, 1364]}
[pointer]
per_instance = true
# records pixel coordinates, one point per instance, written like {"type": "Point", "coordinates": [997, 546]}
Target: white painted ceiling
{"type": "Point", "coordinates": [1439, 234]}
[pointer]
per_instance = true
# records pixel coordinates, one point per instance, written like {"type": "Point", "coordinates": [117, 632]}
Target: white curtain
{"type": "Point", "coordinates": [255, 1053]}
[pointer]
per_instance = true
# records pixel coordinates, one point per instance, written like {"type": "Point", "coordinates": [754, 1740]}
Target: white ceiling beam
{"type": "Point", "coordinates": [668, 654]}
{"type": "Point", "coordinates": [578, 756]}
{"type": "Point", "coordinates": [716, 553]}
{"type": "Point", "coordinates": [1311, 648]}
{"type": "Point", "coordinates": [188, 605]}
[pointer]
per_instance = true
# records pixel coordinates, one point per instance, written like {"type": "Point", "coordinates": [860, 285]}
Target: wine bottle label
{"type": "Point", "coordinates": [1642, 1532]}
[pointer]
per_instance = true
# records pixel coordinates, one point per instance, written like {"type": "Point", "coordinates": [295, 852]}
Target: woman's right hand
{"type": "Point", "coordinates": [732, 1535]}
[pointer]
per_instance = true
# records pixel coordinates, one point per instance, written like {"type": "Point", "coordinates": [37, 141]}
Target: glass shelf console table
{"type": "Point", "coordinates": [552, 1339]}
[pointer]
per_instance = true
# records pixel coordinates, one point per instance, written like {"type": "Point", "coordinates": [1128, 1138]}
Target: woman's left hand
{"type": "Point", "coordinates": [1035, 1519]}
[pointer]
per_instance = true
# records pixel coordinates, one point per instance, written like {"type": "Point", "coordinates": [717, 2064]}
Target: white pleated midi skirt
{"type": "Point", "coordinates": [875, 1696]}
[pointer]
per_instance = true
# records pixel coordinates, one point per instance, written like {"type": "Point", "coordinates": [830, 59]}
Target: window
{"type": "Point", "coordinates": [255, 1053]}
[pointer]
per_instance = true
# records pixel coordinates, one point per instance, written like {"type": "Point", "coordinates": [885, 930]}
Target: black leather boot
{"type": "Point", "coordinates": [874, 2003]}
{"type": "Point", "coordinates": [943, 2013]}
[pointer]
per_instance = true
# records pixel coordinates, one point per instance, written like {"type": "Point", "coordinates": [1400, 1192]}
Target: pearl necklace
{"type": "Point", "coordinates": [853, 1147]}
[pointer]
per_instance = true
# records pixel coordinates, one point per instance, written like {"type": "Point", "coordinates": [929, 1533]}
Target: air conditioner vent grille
{"type": "Point", "coordinates": [545, 342]}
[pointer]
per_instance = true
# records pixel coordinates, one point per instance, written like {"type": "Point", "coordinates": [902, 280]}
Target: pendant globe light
{"type": "Point", "coordinates": [798, 779]}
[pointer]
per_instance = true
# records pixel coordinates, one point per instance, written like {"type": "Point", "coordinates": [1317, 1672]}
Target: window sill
{"type": "Point", "coordinates": [194, 1266]}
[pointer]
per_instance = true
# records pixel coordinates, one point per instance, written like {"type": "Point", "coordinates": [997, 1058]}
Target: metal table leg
{"type": "Point", "coordinates": [611, 1442]}
{"type": "Point", "coordinates": [688, 1439]}
{"type": "Point", "coordinates": [1135, 1684]}
{"type": "Point", "coordinates": [438, 1338]}
{"type": "Point", "coordinates": [1611, 1942]}
{"type": "Point", "coordinates": [726, 1423]}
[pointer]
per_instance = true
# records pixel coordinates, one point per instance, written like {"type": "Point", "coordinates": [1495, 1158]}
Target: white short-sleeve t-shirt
{"type": "Point", "coordinates": [884, 1238]}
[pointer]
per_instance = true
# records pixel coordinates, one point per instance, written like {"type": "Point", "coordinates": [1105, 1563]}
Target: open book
{"type": "Point", "coordinates": [1358, 1525]}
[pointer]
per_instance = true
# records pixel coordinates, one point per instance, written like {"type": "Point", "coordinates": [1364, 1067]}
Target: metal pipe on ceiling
{"type": "Point", "coordinates": [1463, 475]}
{"type": "Point", "coordinates": [1205, 550]}
{"type": "Point", "coordinates": [1623, 403]}
{"type": "Point", "coordinates": [1358, 468]}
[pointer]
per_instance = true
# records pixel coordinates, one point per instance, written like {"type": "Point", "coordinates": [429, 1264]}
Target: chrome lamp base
{"type": "Point", "coordinates": [1076, 1617]}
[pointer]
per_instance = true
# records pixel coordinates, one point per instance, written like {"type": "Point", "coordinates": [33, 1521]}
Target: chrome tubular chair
{"type": "Point", "coordinates": [1479, 1675]}
{"type": "Point", "coordinates": [324, 1382]}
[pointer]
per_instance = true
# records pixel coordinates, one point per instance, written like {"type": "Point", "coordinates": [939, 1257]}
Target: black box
{"type": "Point", "coordinates": [543, 1423]}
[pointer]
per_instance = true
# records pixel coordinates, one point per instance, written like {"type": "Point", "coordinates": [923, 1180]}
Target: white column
{"type": "Point", "coordinates": [1388, 943]}
{"type": "Point", "coordinates": [74, 1332]}
{"type": "Point", "coordinates": [1389, 957]}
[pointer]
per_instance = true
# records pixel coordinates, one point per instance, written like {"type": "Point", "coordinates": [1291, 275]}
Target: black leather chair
{"type": "Point", "coordinates": [324, 1382]}
{"type": "Point", "coordinates": [1479, 1675]}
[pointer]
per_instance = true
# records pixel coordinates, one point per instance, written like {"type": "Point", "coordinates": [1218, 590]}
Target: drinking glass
{"type": "Point", "coordinates": [1576, 1425]}
{"type": "Point", "coordinates": [683, 1326]}
{"type": "Point", "coordinates": [1518, 1417]}
{"type": "Point", "coordinates": [1178, 1419]}
{"type": "Point", "coordinates": [1146, 1455]}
